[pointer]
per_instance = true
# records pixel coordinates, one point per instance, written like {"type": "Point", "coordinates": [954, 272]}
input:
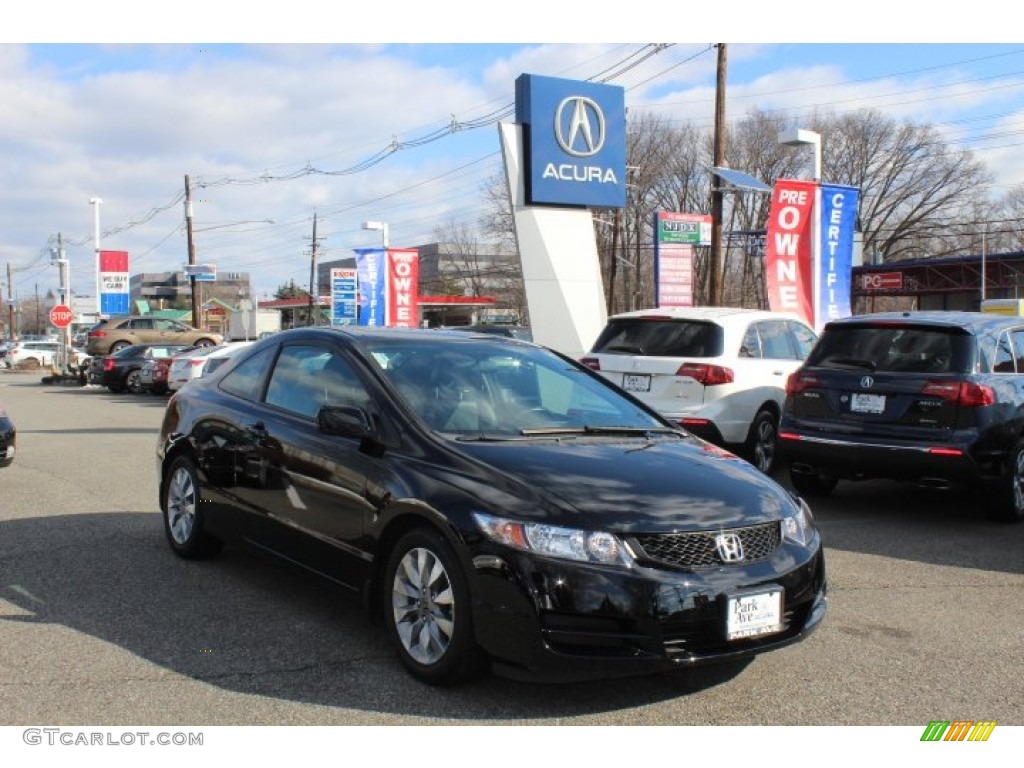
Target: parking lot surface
{"type": "Point", "coordinates": [101, 624]}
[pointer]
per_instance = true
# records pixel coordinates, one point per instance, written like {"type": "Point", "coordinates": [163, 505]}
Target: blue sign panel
{"type": "Point", "coordinates": [114, 304]}
{"type": "Point", "coordinates": [370, 263]}
{"type": "Point", "coordinates": [344, 295]}
{"type": "Point", "coordinates": [838, 217]}
{"type": "Point", "coordinates": [575, 140]}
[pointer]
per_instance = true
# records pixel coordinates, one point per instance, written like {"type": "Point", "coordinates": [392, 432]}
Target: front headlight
{"type": "Point", "coordinates": [555, 541]}
{"type": "Point", "coordinates": [799, 526]}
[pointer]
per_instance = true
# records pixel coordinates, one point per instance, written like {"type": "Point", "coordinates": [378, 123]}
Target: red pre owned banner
{"type": "Point", "coordinates": [788, 269]}
{"type": "Point", "coordinates": [403, 276]}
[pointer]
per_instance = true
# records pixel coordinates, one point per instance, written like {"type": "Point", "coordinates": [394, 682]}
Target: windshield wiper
{"type": "Point", "coordinates": [597, 430]}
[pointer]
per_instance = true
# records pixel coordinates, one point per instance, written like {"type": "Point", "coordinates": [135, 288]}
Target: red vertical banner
{"type": "Point", "coordinates": [403, 292]}
{"type": "Point", "coordinates": [789, 273]}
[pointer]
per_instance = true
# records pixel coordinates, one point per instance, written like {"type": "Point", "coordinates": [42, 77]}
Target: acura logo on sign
{"type": "Point", "coordinates": [730, 547]}
{"type": "Point", "coordinates": [867, 382]}
{"type": "Point", "coordinates": [579, 126]}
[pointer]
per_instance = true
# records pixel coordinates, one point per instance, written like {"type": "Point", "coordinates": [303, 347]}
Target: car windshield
{"type": "Point", "coordinates": [485, 388]}
{"type": "Point", "coordinates": [893, 348]}
{"type": "Point", "coordinates": [660, 337]}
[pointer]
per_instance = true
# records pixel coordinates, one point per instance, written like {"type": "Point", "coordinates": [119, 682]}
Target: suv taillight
{"type": "Point", "coordinates": [798, 381]}
{"type": "Point", "coordinates": [705, 374]}
{"type": "Point", "coordinates": [97, 334]}
{"type": "Point", "coordinates": [965, 393]}
{"type": "Point", "coordinates": [591, 362]}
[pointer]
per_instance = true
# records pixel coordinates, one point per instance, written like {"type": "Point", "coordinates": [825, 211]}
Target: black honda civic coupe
{"type": "Point", "coordinates": [494, 503]}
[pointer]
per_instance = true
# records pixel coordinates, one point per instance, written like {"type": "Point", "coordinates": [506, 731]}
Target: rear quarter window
{"type": "Point", "coordinates": [660, 338]}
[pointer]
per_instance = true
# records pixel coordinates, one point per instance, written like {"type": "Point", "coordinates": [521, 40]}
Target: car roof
{"type": "Point", "coordinates": [973, 321]}
{"type": "Point", "coordinates": [704, 313]}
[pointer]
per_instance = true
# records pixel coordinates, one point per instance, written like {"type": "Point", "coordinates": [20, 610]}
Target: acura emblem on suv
{"type": "Point", "coordinates": [585, 113]}
{"type": "Point", "coordinates": [867, 382]}
{"type": "Point", "coordinates": [730, 547]}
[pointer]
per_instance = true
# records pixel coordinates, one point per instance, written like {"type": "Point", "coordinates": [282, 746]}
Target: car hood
{"type": "Point", "coordinates": [634, 485]}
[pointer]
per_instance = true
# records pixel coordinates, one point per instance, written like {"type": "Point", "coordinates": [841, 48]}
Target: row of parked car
{"type": "Point", "coordinates": [157, 367]}
{"type": "Point", "coordinates": [933, 398]}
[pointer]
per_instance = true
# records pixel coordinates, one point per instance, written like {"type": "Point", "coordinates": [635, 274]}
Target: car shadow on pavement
{"type": "Point", "coordinates": [250, 626]}
{"type": "Point", "coordinates": [905, 521]}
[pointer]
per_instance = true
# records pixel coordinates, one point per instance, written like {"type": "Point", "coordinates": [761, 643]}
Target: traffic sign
{"type": "Point", "coordinates": [61, 316]}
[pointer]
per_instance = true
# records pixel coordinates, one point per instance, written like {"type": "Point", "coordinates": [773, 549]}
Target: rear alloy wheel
{"type": "Point", "coordinates": [764, 432]}
{"type": "Point", "coordinates": [812, 483]}
{"type": "Point", "coordinates": [1008, 504]}
{"type": "Point", "coordinates": [118, 345]}
{"type": "Point", "coordinates": [133, 382]}
{"type": "Point", "coordinates": [183, 517]}
{"type": "Point", "coordinates": [205, 343]}
{"type": "Point", "coordinates": [427, 610]}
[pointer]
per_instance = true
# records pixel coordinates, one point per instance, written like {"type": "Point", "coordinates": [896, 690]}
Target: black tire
{"type": "Point", "coordinates": [427, 610]}
{"type": "Point", "coordinates": [205, 343]}
{"type": "Point", "coordinates": [812, 483]}
{"type": "Point", "coordinates": [1008, 502]}
{"type": "Point", "coordinates": [118, 345]}
{"type": "Point", "coordinates": [133, 382]}
{"type": "Point", "coordinates": [762, 439]}
{"type": "Point", "coordinates": [184, 515]}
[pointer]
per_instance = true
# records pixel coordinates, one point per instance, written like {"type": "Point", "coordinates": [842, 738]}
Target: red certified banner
{"type": "Point", "coordinates": [789, 274]}
{"type": "Point", "coordinates": [403, 294]}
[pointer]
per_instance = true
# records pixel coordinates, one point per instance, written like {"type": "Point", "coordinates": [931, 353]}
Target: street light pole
{"type": "Point", "coordinates": [795, 138]}
{"type": "Point", "coordinates": [378, 225]}
{"type": "Point", "coordinates": [96, 203]}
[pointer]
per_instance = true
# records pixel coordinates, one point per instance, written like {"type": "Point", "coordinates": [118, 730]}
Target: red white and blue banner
{"type": "Point", "coordinates": [388, 286]}
{"type": "Point", "coordinates": [114, 288]}
{"type": "Point", "coordinates": [838, 220]}
{"type": "Point", "coordinates": [788, 251]}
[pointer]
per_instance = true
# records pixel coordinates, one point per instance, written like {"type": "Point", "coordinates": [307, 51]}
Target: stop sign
{"type": "Point", "coordinates": [61, 316]}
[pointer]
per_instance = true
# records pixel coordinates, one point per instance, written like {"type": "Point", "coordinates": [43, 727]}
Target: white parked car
{"type": "Point", "coordinates": [193, 364]}
{"type": "Point", "coordinates": [32, 354]}
{"type": "Point", "coordinates": [720, 372]}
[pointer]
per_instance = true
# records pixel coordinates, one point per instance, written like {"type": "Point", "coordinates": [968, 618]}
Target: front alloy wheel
{"type": "Point", "coordinates": [1008, 505]}
{"type": "Point", "coordinates": [428, 612]}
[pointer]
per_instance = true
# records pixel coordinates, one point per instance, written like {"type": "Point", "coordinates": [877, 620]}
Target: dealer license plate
{"type": "Point", "coordinates": [861, 403]}
{"type": "Point", "coordinates": [754, 615]}
{"type": "Point", "coordinates": [634, 382]}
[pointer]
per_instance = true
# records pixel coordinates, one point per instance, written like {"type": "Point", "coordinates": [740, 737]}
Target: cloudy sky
{"type": "Point", "coordinates": [318, 113]}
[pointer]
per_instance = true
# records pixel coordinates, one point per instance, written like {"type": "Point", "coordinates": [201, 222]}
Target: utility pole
{"type": "Point", "coordinates": [191, 251]}
{"type": "Point", "coordinates": [715, 267]}
{"type": "Point", "coordinates": [10, 304]}
{"type": "Point", "coordinates": [312, 276]}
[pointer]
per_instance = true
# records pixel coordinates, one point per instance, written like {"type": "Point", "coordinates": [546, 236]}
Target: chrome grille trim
{"type": "Point", "coordinates": [697, 549]}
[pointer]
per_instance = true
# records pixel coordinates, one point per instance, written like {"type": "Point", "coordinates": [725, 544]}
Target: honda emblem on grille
{"type": "Point", "coordinates": [730, 547]}
{"type": "Point", "coordinates": [867, 382]}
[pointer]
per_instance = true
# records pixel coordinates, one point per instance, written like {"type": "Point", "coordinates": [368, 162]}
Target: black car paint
{"type": "Point", "coordinates": [536, 617]}
{"type": "Point", "coordinates": [8, 438]}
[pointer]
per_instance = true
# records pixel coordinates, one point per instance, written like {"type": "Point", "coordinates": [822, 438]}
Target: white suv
{"type": "Point", "coordinates": [719, 372]}
{"type": "Point", "coordinates": [32, 354]}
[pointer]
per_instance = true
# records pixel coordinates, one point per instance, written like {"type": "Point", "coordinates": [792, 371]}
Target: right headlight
{"type": "Point", "coordinates": [799, 525]}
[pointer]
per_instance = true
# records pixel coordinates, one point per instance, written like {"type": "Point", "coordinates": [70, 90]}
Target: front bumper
{"type": "Point", "coordinates": [542, 619]}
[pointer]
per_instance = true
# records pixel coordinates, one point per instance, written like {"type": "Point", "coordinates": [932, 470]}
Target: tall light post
{"type": "Point", "coordinates": [382, 226]}
{"type": "Point", "coordinates": [96, 203]}
{"type": "Point", "coordinates": [795, 138]}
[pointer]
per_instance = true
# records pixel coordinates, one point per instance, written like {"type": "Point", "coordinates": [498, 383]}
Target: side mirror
{"type": "Point", "coordinates": [344, 421]}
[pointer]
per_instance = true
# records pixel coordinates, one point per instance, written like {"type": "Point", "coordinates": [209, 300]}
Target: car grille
{"type": "Point", "coordinates": [698, 549]}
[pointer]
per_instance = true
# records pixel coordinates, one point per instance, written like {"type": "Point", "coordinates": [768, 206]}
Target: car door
{"type": "Point", "coordinates": [767, 356]}
{"type": "Point", "coordinates": [322, 489]}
